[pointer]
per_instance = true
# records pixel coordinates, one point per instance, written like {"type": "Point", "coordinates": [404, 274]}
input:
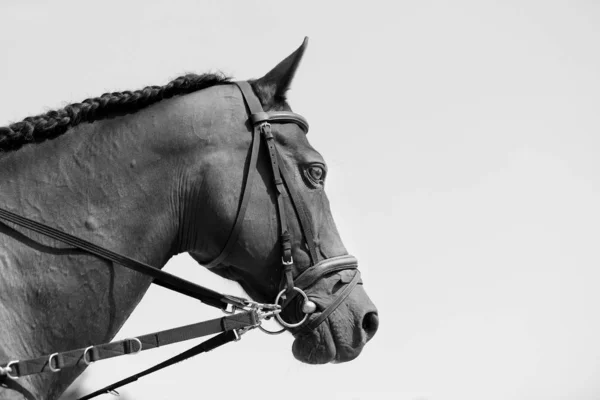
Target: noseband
{"type": "Point", "coordinates": [290, 287]}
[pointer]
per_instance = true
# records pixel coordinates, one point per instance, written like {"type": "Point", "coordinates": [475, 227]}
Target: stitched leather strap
{"type": "Point", "coordinates": [324, 268]}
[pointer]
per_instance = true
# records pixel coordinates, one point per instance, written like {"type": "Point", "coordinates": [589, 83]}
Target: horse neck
{"type": "Point", "coordinates": [114, 183]}
{"type": "Point", "coordinates": [107, 182]}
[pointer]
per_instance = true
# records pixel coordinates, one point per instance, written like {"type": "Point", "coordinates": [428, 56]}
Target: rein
{"type": "Point", "coordinates": [244, 315]}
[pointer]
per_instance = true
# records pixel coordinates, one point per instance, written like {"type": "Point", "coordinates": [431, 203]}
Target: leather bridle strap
{"type": "Point", "coordinates": [245, 200]}
{"type": "Point", "coordinates": [283, 181]}
{"type": "Point", "coordinates": [339, 298]}
{"type": "Point", "coordinates": [281, 178]}
{"type": "Point", "coordinates": [301, 213]}
{"type": "Point", "coordinates": [324, 268]}
{"type": "Point", "coordinates": [161, 278]}
{"type": "Point", "coordinates": [260, 121]}
{"type": "Point", "coordinates": [286, 242]}
{"type": "Point", "coordinates": [261, 128]}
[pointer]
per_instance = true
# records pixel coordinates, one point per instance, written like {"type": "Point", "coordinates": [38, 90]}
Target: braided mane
{"type": "Point", "coordinates": [54, 123]}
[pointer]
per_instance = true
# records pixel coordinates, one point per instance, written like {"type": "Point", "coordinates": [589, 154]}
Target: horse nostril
{"type": "Point", "coordinates": [370, 324]}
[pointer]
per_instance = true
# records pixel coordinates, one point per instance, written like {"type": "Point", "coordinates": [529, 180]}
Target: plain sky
{"type": "Point", "coordinates": [462, 141]}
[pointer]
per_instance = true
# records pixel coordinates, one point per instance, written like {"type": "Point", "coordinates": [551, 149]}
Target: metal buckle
{"type": "Point", "coordinates": [291, 262]}
{"type": "Point", "coordinates": [265, 129]}
{"type": "Point", "coordinates": [50, 362]}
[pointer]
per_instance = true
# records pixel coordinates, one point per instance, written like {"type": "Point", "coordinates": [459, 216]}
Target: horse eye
{"type": "Point", "coordinates": [314, 175]}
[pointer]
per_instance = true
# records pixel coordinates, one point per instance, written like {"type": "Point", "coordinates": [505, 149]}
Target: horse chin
{"type": "Point", "coordinates": [323, 345]}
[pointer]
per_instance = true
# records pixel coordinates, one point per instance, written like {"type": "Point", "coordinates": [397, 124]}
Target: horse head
{"type": "Point", "coordinates": [250, 251]}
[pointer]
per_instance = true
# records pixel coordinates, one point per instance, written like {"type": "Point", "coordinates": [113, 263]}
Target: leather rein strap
{"type": "Point", "coordinates": [85, 356]}
{"type": "Point", "coordinates": [161, 278]}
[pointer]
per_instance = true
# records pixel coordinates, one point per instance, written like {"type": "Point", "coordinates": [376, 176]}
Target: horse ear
{"type": "Point", "coordinates": [272, 87]}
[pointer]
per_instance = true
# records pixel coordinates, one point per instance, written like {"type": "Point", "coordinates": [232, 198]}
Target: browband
{"type": "Point", "coordinates": [280, 117]}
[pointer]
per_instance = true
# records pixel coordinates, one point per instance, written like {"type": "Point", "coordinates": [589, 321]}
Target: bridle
{"type": "Point", "coordinates": [290, 287]}
{"type": "Point", "coordinates": [232, 326]}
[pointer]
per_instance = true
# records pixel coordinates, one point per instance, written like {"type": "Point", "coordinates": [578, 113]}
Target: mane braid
{"type": "Point", "coordinates": [54, 123]}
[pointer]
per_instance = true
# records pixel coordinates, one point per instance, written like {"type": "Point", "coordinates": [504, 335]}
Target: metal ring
{"type": "Point", "coordinates": [280, 320]}
{"type": "Point", "coordinates": [138, 342]}
{"type": "Point", "coordinates": [9, 369]}
{"type": "Point", "coordinates": [85, 359]}
{"type": "Point", "coordinates": [50, 362]}
{"type": "Point", "coordinates": [268, 332]}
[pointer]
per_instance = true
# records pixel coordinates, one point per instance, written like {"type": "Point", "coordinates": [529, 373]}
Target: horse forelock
{"type": "Point", "coordinates": [47, 126]}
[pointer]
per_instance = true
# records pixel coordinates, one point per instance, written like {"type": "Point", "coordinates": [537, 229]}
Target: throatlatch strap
{"type": "Point", "coordinates": [245, 200]}
{"type": "Point", "coordinates": [205, 346]}
{"type": "Point", "coordinates": [161, 278]}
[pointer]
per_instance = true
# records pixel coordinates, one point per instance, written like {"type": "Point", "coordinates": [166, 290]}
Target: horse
{"type": "Point", "coordinates": [151, 174]}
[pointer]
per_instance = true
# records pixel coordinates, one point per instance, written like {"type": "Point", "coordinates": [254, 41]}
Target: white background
{"type": "Point", "coordinates": [461, 139]}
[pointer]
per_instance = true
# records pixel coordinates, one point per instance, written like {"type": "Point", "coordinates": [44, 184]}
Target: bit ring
{"type": "Point", "coordinates": [278, 317]}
